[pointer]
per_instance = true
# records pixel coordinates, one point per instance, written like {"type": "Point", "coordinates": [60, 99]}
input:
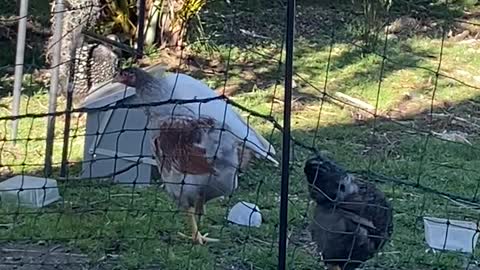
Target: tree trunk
{"type": "Point", "coordinates": [151, 23]}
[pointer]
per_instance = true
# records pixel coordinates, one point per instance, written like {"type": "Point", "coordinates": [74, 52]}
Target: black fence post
{"type": "Point", "coordinates": [282, 245]}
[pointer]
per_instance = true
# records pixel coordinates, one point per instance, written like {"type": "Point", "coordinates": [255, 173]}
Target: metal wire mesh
{"type": "Point", "coordinates": [401, 114]}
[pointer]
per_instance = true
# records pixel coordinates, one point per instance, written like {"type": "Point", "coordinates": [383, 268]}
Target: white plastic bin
{"type": "Point", "coordinates": [29, 191]}
{"type": "Point", "coordinates": [461, 236]}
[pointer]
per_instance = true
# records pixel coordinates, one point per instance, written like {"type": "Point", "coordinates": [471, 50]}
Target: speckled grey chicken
{"type": "Point", "coordinates": [200, 146]}
{"type": "Point", "coordinates": [352, 220]}
{"type": "Point", "coordinates": [95, 63]}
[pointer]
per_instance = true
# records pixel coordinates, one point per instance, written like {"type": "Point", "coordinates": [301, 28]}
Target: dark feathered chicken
{"type": "Point", "coordinates": [352, 219]}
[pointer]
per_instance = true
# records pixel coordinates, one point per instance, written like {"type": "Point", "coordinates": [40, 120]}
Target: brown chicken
{"type": "Point", "coordinates": [199, 147]}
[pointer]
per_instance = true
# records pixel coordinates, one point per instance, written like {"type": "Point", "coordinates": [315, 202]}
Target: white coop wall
{"type": "Point", "coordinates": [116, 139]}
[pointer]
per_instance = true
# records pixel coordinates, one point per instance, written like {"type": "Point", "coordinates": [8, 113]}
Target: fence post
{"type": "Point", "coordinates": [66, 130]}
{"type": "Point", "coordinates": [141, 28]}
{"type": "Point", "coordinates": [19, 58]}
{"type": "Point", "coordinates": [52, 101]}
{"type": "Point", "coordinates": [282, 245]}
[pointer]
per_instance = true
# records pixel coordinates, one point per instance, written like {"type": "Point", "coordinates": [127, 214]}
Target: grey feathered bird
{"type": "Point", "coordinates": [95, 63]}
{"type": "Point", "coordinates": [352, 219]}
{"type": "Point", "coordinates": [199, 147]}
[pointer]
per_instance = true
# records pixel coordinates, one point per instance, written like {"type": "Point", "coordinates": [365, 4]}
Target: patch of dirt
{"type": "Point", "coordinates": [30, 257]}
{"type": "Point", "coordinates": [167, 57]}
{"type": "Point", "coordinates": [24, 256]}
{"type": "Point", "coordinates": [414, 106]}
{"type": "Point", "coordinates": [447, 116]}
{"type": "Point", "coordinates": [463, 28]}
{"type": "Point", "coordinates": [406, 26]}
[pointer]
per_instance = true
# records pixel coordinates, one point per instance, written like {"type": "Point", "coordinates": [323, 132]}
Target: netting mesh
{"type": "Point", "coordinates": [396, 105]}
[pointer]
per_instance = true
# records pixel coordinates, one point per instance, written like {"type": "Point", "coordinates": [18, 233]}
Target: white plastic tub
{"type": "Point", "coordinates": [29, 191]}
{"type": "Point", "coordinates": [460, 236]}
{"type": "Point", "coordinates": [245, 214]}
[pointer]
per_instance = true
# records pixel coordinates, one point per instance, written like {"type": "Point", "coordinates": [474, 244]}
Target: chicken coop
{"type": "Point", "coordinates": [117, 141]}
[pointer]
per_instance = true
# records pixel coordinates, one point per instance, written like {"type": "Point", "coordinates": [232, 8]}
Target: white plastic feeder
{"type": "Point", "coordinates": [29, 191]}
{"type": "Point", "coordinates": [460, 236]}
{"type": "Point", "coordinates": [246, 214]}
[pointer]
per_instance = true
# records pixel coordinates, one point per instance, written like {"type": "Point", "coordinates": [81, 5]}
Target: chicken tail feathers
{"type": "Point", "coordinates": [261, 152]}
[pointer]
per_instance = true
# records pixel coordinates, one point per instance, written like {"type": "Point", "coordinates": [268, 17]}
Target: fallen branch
{"type": "Point", "coordinates": [356, 102]}
{"type": "Point", "coordinates": [453, 136]}
{"type": "Point", "coordinates": [463, 120]}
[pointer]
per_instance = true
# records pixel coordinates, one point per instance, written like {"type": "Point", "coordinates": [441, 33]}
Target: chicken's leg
{"type": "Point", "coordinates": [197, 237]}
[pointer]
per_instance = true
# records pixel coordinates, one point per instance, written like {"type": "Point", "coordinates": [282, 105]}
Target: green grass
{"type": "Point", "coordinates": [139, 227]}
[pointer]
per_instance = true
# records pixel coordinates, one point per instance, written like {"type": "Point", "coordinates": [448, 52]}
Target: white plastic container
{"type": "Point", "coordinates": [29, 191]}
{"type": "Point", "coordinates": [461, 235]}
{"type": "Point", "coordinates": [246, 214]}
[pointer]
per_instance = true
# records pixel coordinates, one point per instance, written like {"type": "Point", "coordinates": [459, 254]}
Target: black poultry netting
{"type": "Point", "coordinates": [149, 141]}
